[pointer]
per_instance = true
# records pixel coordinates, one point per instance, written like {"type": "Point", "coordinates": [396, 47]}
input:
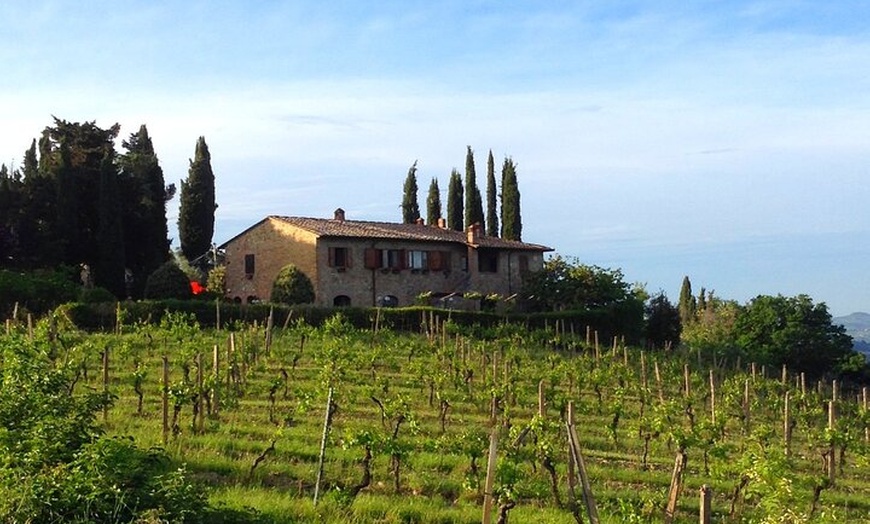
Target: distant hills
{"type": "Point", "coordinates": [858, 327]}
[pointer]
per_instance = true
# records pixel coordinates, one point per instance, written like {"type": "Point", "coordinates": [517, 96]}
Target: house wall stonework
{"type": "Point", "coordinates": [274, 243]}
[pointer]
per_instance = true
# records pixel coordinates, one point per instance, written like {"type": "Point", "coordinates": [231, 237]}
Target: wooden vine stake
{"type": "Point", "coordinates": [572, 471]}
{"type": "Point", "coordinates": [832, 461]}
{"type": "Point", "coordinates": [786, 423]}
{"type": "Point", "coordinates": [659, 381]}
{"type": "Point", "coordinates": [270, 324]}
{"type": "Point", "coordinates": [705, 506]}
{"type": "Point", "coordinates": [326, 423]}
{"type": "Point", "coordinates": [864, 400]}
{"type": "Point", "coordinates": [712, 398]}
{"type": "Point", "coordinates": [687, 380]}
{"type": "Point", "coordinates": [577, 458]}
{"type": "Point", "coordinates": [490, 475]}
{"type": "Point", "coordinates": [200, 418]}
{"type": "Point", "coordinates": [746, 406]}
{"type": "Point", "coordinates": [165, 400]}
{"type": "Point", "coordinates": [215, 387]}
{"type": "Point", "coordinates": [676, 486]}
{"type": "Point", "coordinates": [105, 381]}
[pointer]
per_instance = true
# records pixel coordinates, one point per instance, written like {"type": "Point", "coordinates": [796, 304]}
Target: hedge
{"type": "Point", "coordinates": [608, 322]}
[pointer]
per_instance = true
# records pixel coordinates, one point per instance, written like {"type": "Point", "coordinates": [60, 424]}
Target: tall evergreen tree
{"type": "Point", "coordinates": [511, 222]}
{"type": "Point", "coordinates": [491, 197]}
{"type": "Point", "coordinates": [109, 268]}
{"type": "Point", "coordinates": [687, 304]}
{"type": "Point", "coordinates": [410, 207]}
{"type": "Point", "coordinates": [433, 203]}
{"type": "Point", "coordinates": [473, 202]}
{"type": "Point", "coordinates": [197, 206]}
{"type": "Point", "coordinates": [144, 194]}
{"type": "Point", "coordinates": [36, 245]}
{"type": "Point", "coordinates": [454, 201]}
{"type": "Point", "coordinates": [30, 168]}
{"type": "Point", "coordinates": [76, 152]}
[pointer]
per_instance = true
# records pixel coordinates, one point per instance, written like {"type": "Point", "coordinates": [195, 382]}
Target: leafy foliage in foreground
{"type": "Point", "coordinates": [57, 466]}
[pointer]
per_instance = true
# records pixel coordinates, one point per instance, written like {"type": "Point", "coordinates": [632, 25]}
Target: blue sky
{"type": "Point", "coordinates": [726, 141]}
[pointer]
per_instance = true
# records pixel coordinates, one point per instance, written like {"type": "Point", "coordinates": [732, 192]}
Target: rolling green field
{"type": "Point", "coordinates": [412, 416]}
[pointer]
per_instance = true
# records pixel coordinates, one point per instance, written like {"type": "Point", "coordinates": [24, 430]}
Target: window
{"type": "Point", "coordinates": [341, 301]}
{"type": "Point", "coordinates": [487, 261]}
{"type": "Point", "coordinates": [418, 259]}
{"type": "Point", "coordinates": [339, 257]}
{"type": "Point", "coordinates": [392, 258]}
{"type": "Point", "coordinates": [249, 265]}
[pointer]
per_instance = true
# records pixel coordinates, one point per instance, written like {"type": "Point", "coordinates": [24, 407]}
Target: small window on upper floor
{"type": "Point", "coordinates": [249, 265]}
{"type": "Point", "coordinates": [392, 258]}
{"type": "Point", "coordinates": [418, 259]}
{"type": "Point", "coordinates": [487, 261]}
{"type": "Point", "coordinates": [339, 257]}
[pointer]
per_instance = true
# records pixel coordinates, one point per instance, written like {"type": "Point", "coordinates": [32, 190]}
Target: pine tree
{"type": "Point", "coordinates": [197, 206]}
{"type": "Point", "coordinates": [109, 267]}
{"type": "Point", "coordinates": [473, 202]}
{"type": "Point", "coordinates": [511, 222]}
{"type": "Point", "coordinates": [454, 201]}
{"type": "Point", "coordinates": [687, 304]}
{"type": "Point", "coordinates": [410, 207]}
{"type": "Point", "coordinates": [433, 203]}
{"type": "Point", "coordinates": [144, 194]}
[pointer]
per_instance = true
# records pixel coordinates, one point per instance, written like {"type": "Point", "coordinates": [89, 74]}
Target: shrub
{"type": "Point", "coordinates": [36, 292]}
{"type": "Point", "coordinates": [292, 286]}
{"type": "Point", "coordinates": [168, 281]}
{"type": "Point", "coordinates": [96, 295]}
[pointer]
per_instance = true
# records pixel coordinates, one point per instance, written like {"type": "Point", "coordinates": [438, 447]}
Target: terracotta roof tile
{"type": "Point", "coordinates": [393, 231]}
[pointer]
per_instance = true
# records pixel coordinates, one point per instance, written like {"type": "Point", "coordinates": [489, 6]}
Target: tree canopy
{"type": "Point", "coordinates": [196, 212]}
{"type": "Point", "coordinates": [777, 330]}
{"type": "Point", "coordinates": [511, 221]}
{"type": "Point", "coordinates": [454, 202]}
{"type": "Point", "coordinates": [433, 203]}
{"type": "Point", "coordinates": [410, 207]}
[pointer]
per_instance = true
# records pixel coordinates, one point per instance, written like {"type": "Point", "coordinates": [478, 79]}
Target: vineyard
{"type": "Point", "coordinates": [285, 422]}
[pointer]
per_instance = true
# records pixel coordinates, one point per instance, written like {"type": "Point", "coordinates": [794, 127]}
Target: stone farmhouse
{"type": "Point", "coordinates": [361, 263]}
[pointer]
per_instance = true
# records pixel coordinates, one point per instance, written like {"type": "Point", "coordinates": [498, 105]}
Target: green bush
{"type": "Point", "coordinates": [292, 286]}
{"type": "Point", "coordinates": [37, 292]}
{"type": "Point", "coordinates": [96, 295]}
{"type": "Point", "coordinates": [168, 281]}
{"type": "Point", "coordinates": [57, 465]}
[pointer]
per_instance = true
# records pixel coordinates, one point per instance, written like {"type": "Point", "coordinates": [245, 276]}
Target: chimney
{"type": "Point", "coordinates": [419, 221]}
{"type": "Point", "coordinates": [339, 214]}
{"type": "Point", "coordinates": [473, 233]}
{"type": "Point", "coordinates": [442, 223]}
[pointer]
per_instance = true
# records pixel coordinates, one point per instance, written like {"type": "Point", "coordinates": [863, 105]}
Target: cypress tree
{"type": "Point", "coordinates": [144, 194]}
{"type": "Point", "coordinates": [687, 302]}
{"type": "Point", "coordinates": [410, 207]}
{"type": "Point", "coordinates": [511, 222]}
{"type": "Point", "coordinates": [109, 268]}
{"type": "Point", "coordinates": [197, 206]}
{"type": "Point", "coordinates": [491, 195]}
{"type": "Point", "coordinates": [454, 201]}
{"type": "Point", "coordinates": [473, 202]}
{"type": "Point", "coordinates": [433, 203]}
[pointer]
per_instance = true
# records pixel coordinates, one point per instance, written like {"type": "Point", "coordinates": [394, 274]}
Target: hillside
{"type": "Point", "coordinates": [858, 327]}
